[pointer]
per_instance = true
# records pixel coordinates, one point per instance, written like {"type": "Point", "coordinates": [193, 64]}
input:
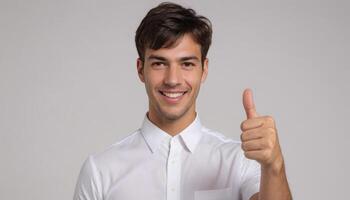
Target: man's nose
{"type": "Point", "coordinates": [173, 76]}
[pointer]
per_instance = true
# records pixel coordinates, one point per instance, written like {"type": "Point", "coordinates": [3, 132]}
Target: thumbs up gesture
{"type": "Point", "coordinates": [259, 136]}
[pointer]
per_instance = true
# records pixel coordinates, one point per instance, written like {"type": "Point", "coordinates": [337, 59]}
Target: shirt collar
{"type": "Point", "coordinates": [154, 136]}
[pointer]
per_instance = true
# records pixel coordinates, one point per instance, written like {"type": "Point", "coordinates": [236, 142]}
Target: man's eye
{"type": "Point", "coordinates": [158, 64]}
{"type": "Point", "coordinates": [188, 64]}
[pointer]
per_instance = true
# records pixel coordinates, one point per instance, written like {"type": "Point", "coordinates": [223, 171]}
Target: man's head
{"type": "Point", "coordinates": [172, 43]}
{"type": "Point", "coordinates": [167, 23]}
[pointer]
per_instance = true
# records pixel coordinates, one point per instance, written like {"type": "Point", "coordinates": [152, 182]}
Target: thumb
{"type": "Point", "coordinates": [248, 104]}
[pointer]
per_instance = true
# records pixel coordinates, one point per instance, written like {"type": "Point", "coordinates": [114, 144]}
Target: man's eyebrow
{"type": "Point", "coordinates": [189, 58]}
{"type": "Point", "coordinates": [156, 58]}
{"type": "Point", "coordinates": [181, 59]}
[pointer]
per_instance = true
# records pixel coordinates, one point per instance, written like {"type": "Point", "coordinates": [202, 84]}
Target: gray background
{"type": "Point", "coordinates": [68, 86]}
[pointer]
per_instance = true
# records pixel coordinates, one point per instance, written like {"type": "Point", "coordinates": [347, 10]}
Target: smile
{"type": "Point", "coordinates": [172, 94]}
{"type": "Point", "coordinates": [172, 97]}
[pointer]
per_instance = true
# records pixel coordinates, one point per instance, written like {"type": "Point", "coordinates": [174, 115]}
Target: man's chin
{"type": "Point", "coordinates": [172, 115]}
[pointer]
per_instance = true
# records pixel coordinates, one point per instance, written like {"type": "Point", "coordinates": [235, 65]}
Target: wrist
{"type": "Point", "coordinates": [274, 168]}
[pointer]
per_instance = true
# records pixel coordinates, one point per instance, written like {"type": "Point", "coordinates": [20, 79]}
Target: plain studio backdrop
{"type": "Point", "coordinates": [69, 87]}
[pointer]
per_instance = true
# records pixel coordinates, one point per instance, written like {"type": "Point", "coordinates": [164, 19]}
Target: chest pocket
{"type": "Point", "coordinates": [217, 194]}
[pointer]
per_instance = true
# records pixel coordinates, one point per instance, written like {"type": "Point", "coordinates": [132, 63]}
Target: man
{"type": "Point", "coordinates": [173, 156]}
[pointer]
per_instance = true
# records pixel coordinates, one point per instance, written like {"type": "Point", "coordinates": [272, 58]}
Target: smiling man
{"type": "Point", "coordinates": [172, 78]}
{"type": "Point", "coordinates": [173, 156]}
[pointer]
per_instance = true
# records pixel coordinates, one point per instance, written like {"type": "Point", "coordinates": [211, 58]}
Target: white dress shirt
{"type": "Point", "coordinates": [149, 164]}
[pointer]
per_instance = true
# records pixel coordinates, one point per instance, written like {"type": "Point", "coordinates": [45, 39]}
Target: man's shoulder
{"type": "Point", "coordinates": [119, 149]}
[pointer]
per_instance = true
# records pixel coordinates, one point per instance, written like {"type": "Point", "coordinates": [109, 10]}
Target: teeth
{"type": "Point", "coordinates": [173, 95]}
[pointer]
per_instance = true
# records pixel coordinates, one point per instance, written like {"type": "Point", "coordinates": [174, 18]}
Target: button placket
{"type": "Point", "coordinates": [174, 170]}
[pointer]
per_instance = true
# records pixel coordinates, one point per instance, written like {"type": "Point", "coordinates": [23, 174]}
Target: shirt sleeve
{"type": "Point", "coordinates": [88, 186]}
{"type": "Point", "coordinates": [250, 179]}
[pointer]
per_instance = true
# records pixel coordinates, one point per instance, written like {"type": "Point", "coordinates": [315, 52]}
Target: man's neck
{"type": "Point", "coordinates": [172, 127]}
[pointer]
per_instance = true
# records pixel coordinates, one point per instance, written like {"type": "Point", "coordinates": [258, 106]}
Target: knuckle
{"type": "Point", "coordinates": [243, 146]}
{"type": "Point", "coordinates": [270, 144]}
{"type": "Point", "coordinates": [246, 154]}
{"type": "Point", "coordinates": [242, 125]}
{"type": "Point", "coordinates": [249, 155]}
{"type": "Point", "coordinates": [244, 136]}
{"type": "Point", "coordinates": [270, 131]}
{"type": "Point", "coordinates": [269, 119]}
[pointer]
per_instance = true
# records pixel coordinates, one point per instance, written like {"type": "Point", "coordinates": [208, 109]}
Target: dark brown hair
{"type": "Point", "coordinates": [168, 22]}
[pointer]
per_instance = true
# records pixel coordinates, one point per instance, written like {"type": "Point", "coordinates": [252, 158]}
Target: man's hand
{"type": "Point", "coordinates": [259, 137]}
{"type": "Point", "coordinates": [260, 143]}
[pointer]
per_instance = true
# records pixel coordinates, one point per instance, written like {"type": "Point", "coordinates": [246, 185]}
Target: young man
{"type": "Point", "coordinates": [173, 156]}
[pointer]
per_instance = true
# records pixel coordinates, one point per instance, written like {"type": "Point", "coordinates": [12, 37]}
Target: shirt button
{"type": "Point", "coordinates": [173, 189]}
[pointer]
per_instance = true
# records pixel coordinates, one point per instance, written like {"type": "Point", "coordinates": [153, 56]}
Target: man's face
{"type": "Point", "coordinates": [172, 78]}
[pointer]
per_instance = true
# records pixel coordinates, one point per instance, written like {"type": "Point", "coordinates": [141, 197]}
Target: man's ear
{"type": "Point", "coordinates": [205, 70]}
{"type": "Point", "coordinates": [140, 65]}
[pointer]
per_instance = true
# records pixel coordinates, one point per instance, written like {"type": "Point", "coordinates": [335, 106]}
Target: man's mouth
{"type": "Point", "coordinates": [172, 95]}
